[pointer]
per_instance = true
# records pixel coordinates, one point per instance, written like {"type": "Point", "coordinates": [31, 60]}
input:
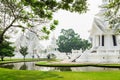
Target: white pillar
{"type": "Point", "coordinates": [109, 40]}
{"type": "Point", "coordinates": [100, 40]}
{"type": "Point", "coordinates": [97, 40]}
{"type": "Point", "coordinates": [94, 41]}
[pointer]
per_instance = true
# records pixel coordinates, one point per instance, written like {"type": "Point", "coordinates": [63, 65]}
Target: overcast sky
{"type": "Point", "coordinates": [81, 23]}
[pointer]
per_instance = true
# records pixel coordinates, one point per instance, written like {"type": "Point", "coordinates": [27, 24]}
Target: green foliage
{"type": "Point", "coordinates": [69, 40]}
{"type": "Point", "coordinates": [53, 25]}
{"type": "Point", "coordinates": [86, 45]}
{"type": "Point", "coordinates": [6, 50]}
{"type": "Point", "coordinates": [23, 51]}
{"type": "Point", "coordinates": [27, 13]}
{"type": "Point", "coordinates": [113, 12]}
{"type": "Point", "coordinates": [48, 30]}
{"type": "Point", "coordinates": [56, 22]}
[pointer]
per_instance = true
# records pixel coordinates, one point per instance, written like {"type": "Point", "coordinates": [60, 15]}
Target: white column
{"type": "Point", "coordinates": [94, 42]}
{"type": "Point", "coordinates": [100, 40]}
{"type": "Point", "coordinates": [96, 38]}
{"type": "Point", "coordinates": [109, 40]}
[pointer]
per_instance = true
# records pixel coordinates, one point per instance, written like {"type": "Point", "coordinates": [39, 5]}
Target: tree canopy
{"type": "Point", "coordinates": [69, 40]}
{"type": "Point", "coordinates": [113, 13]}
{"type": "Point", "coordinates": [23, 51]}
{"type": "Point", "coordinates": [26, 14]}
{"type": "Point", "coordinates": [6, 50]}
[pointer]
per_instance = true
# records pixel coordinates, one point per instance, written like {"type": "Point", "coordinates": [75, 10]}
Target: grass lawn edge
{"type": "Point", "coordinates": [50, 64]}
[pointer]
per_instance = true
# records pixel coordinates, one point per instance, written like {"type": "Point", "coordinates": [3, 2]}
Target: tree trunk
{"type": "Point", "coordinates": [1, 39]}
{"type": "Point", "coordinates": [2, 58]}
{"type": "Point", "coordinates": [24, 58]}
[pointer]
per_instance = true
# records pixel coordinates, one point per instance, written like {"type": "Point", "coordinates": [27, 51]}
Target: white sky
{"type": "Point", "coordinates": [80, 23]}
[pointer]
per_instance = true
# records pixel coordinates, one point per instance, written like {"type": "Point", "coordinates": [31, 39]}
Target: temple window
{"type": "Point", "coordinates": [114, 40]}
{"type": "Point", "coordinates": [103, 57]}
{"type": "Point", "coordinates": [102, 40]}
{"type": "Point", "coordinates": [99, 40]}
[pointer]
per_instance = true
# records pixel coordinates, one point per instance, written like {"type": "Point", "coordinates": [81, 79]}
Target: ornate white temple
{"type": "Point", "coordinates": [31, 41]}
{"type": "Point", "coordinates": [53, 46]}
{"type": "Point", "coordinates": [105, 41]}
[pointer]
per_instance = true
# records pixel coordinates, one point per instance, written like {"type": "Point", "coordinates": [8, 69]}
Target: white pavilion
{"type": "Point", "coordinates": [105, 41]}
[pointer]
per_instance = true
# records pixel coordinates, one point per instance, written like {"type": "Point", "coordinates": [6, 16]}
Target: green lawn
{"type": "Point", "coordinates": [6, 74]}
{"type": "Point", "coordinates": [22, 60]}
{"type": "Point", "coordinates": [52, 64]}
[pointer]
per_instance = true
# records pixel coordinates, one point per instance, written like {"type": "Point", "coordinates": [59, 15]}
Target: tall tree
{"type": "Point", "coordinates": [6, 50]}
{"type": "Point", "coordinates": [26, 14]}
{"type": "Point", "coordinates": [23, 51]}
{"type": "Point", "coordinates": [69, 40]}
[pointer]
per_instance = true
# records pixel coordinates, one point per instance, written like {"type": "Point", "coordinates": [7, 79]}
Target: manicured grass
{"type": "Point", "coordinates": [6, 74]}
{"type": "Point", "coordinates": [21, 60]}
{"type": "Point", "coordinates": [52, 64]}
{"type": "Point", "coordinates": [110, 65]}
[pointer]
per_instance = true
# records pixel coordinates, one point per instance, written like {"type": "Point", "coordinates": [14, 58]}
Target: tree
{"type": "Point", "coordinates": [6, 50]}
{"type": "Point", "coordinates": [86, 45]}
{"type": "Point", "coordinates": [113, 13]}
{"type": "Point", "coordinates": [23, 51]}
{"type": "Point", "coordinates": [69, 40]}
{"type": "Point", "coordinates": [26, 14]}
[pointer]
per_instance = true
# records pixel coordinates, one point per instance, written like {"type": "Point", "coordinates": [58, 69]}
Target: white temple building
{"type": "Point", "coordinates": [105, 41]}
{"type": "Point", "coordinates": [52, 48]}
{"type": "Point", "coordinates": [30, 40]}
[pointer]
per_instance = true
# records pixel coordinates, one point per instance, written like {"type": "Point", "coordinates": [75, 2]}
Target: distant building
{"type": "Point", "coordinates": [30, 40]}
{"type": "Point", "coordinates": [53, 46]}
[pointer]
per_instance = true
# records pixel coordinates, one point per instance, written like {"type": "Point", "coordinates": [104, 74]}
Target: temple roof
{"type": "Point", "coordinates": [99, 24]}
